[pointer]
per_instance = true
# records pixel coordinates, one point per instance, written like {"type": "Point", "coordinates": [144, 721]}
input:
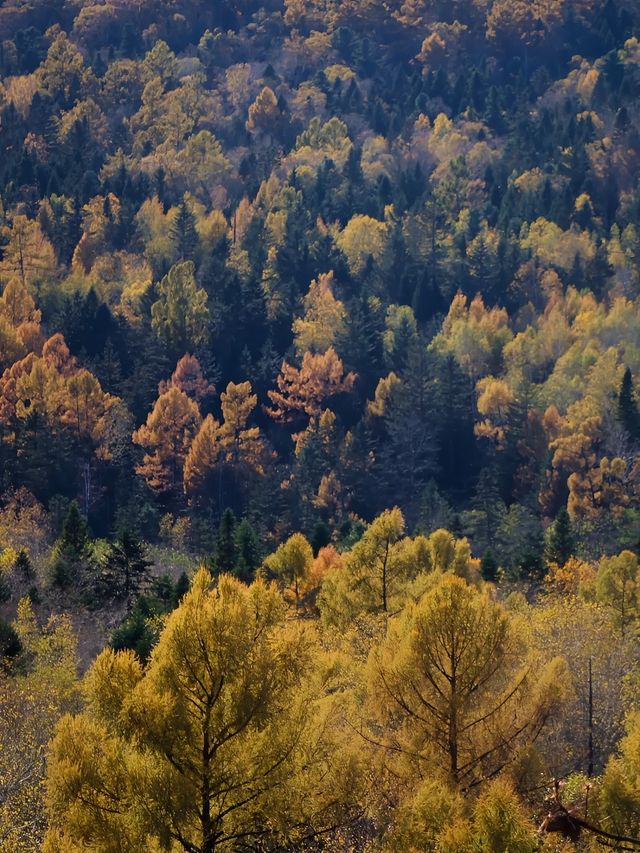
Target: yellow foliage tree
{"type": "Point", "coordinates": [324, 318]}
{"type": "Point", "coordinates": [218, 743]}
{"type": "Point", "coordinates": [455, 688]}
{"type": "Point", "coordinates": [291, 564]}
{"type": "Point", "coordinates": [31, 702]}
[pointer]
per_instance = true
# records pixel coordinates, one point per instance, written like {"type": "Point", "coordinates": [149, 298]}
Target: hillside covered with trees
{"type": "Point", "coordinates": [319, 425]}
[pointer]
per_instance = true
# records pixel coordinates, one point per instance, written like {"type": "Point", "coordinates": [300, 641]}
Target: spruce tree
{"type": "Point", "coordinates": [23, 565]}
{"type": "Point", "coordinates": [628, 413]}
{"type": "Point", "coordinates": [183, 233]}
{"type": "Point", "coordinates": [561, 542]}
{"type": "Point", "coordinates": [248, 552]}
{"type": "Point", "coordinates": [489, 566]}
{"type": "Point", "coordinates": [74, 530]}
{"type": "Point", "coordinates": [226, 551]}
{"type": "Point", "coordinates": [126, 567]}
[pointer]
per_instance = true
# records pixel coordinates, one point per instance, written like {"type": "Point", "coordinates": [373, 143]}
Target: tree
{"type": "Point", "coordinates": [27, 255]}
{"type": "Point", "coordinates": [489, 566]}
{"type": "Point", "coordinates": [264, 113]}
{"type": "Point", "coordinates": [189, 377]}
{"type": "Point", "coordinates": [304, 390]}
{"type": "Point", "coordinates": [323, 322]}
{"type": "Point", "coordinates": [628, 413]}
{"type": "Point", "coordinates": [291, 563]}
{"type": "Point", "coordinates": [42, 688]}
{"type": "Point", "coordinates": [248, 550]}
{"type": "Point", "coordinates": [454, 686]}
{"type": "Point", "coordinates": [561, 542]}
{"type": "Point", "coordinates": [617, 586]}
{"type": "Point", "coordinates": [167, 436]}
{"type": "Point", "coordinates": [180, 317]}
{"type": "Point", "coordinates": [183, 233]}
{"type": "Point", "coordinates": [218, 742]}
{"type": "Point", "coordinates": [126, 566]}
{"type": "Point", "coordinates": [231, 450]}
{"type": "Point", "coordinates": [374, 574]}
{"type": "Point", "coordinates": [203, 457]}
{"type": "Point", "coordinates": [71, 554]}
{"type": "Point", "coordinates": [226, 552]}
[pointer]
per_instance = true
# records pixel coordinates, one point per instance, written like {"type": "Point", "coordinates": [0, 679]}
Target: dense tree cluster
{"type": "Point", "coordinates": [338, 302]}
{"type": "Point", "coordinates": [402, 235]}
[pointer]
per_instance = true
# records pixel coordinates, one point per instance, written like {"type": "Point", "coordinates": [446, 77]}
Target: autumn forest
{"type": "Point", "coordinates": [319, 426]}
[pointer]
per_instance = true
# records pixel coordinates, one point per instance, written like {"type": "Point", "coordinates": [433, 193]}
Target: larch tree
{"type": "Point", "coordinates": [189, 377]}
{"type": "Point", "coordinates": [203, 457]}
{"type": "Point", "coordinates": [324, 320]}
{"type": "Point", "coordinates": [304, 390]}
{"type": "Point", "coordinates": [180, 316]}
{"type": "Point", "coordinates": [32, 699]}
{"type": "Point", "coordinates": [373, 571]}
{"type": "Point", "coordinates": [230, 447]}
{"type": "Point", "coordinates": [27, 255]}
{"type": "Point", "coordinates": [617, 587]}
{"type": "Point", "coordinates": [217, 744]}
{"type": "Point", "coordinates": [167, 436]}
{"type": "Point", "coordinates": [455, 687]}
{"type": "Point", "coordinates": [291, 564]}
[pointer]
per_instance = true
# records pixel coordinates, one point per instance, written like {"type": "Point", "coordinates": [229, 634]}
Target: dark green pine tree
{"type": "Point", "coordinates": [70, 556]}
{"type": "Point", "coordinates": [74, 531]}
{"type": "Point", "coordinates": [320, 537]}
{"type": "Point", "coordinates": [489, 566]}
{"type": "Point", "coordinates": [126, 566]}
{"type": "Point", "coordinates": [183, 233]}
{"type": "Point", "coordinates": [249, 551]}
{"type": "Point", "coordinates": [628, 413]}
{"type": "Point", "coordinates": [226, 552]}
{"type": "Point", "coordinates": [181, 588]}
{"type": "Point", "coordinates": [10, 645]}
{"type": "Point", "coordinates": [561, 542]}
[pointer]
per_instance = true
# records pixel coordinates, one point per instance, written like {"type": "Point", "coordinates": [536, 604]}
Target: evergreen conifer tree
{"type": "Point", "coordinates": [561, 539]}
{"type": "Point", "coordinates": [628, 413]}
{"type": "Point", "coordinates": [126, 567]}
{"type": "Point", "coordinates": [226, 550]}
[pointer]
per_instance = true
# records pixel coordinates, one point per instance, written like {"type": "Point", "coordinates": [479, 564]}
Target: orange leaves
{"type": "Point", "coordinates": [203, 457]}
{"type": "Point", "coordinates": [167, 435]}
{"type": "Point", "coordinates": [304, 390]}
{"type": "Point", "coordinates": [570, 578]}
{"type": "Point", "coordinates": [188, 377]}
{"type": "Point", "coordinates": [52, 386]}
{"type": "Point", "coordinates": [230, 443]}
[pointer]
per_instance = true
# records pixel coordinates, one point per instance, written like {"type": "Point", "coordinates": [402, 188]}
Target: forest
{"type": "Point", "coordinates": [319, 426]}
